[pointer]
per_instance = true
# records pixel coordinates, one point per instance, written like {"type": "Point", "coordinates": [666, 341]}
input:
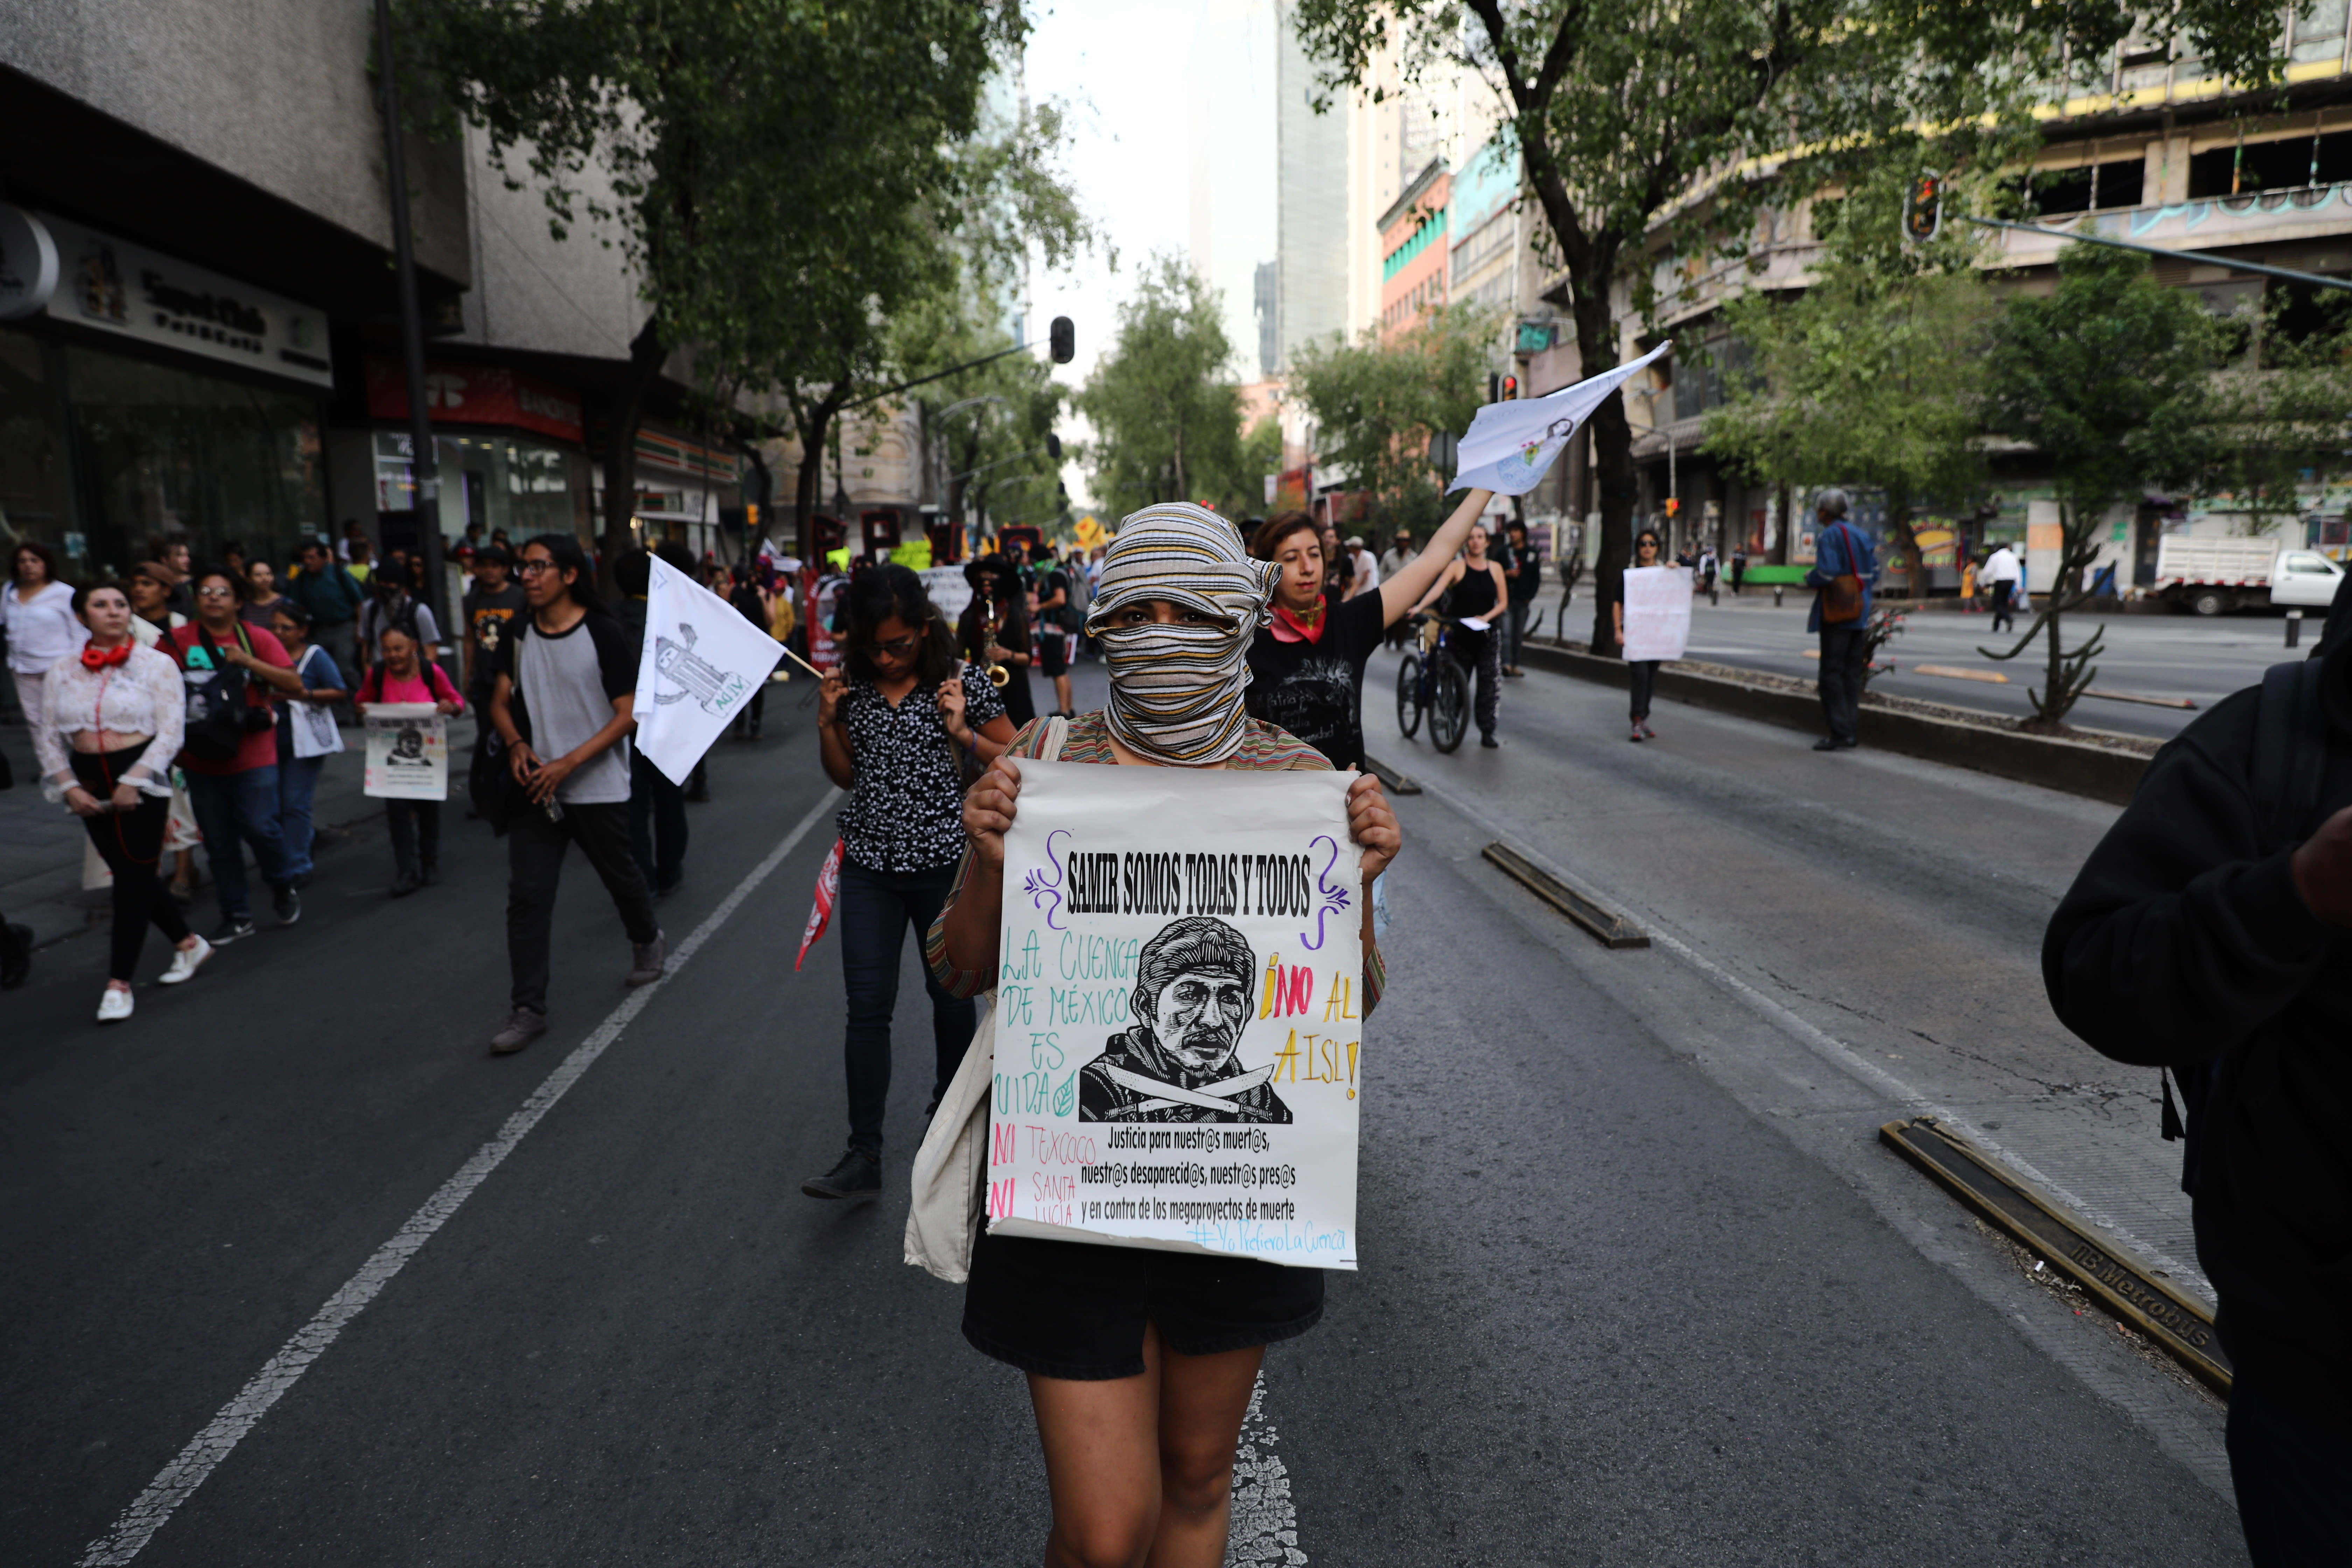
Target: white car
{"type": "Point", "coordinates": [2305, 579]}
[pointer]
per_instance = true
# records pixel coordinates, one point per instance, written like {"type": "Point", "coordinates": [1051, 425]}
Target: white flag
{"type": "Point", "coordinates": [702, 661]}
{"type": "Point", "coordinates": [1509, 445]}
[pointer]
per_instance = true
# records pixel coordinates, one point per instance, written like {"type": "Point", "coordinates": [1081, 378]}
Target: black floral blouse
{"type": "Point", "coordinates": [905, 810]}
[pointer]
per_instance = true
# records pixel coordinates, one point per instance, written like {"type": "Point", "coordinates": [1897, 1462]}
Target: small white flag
{"type": "Point", "coordinates": [702, 661]}
{"type": "Point", "coordinates": [1510, 446]}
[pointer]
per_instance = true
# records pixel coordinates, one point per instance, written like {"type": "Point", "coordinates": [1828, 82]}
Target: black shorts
{"type": "Point", "coordinates": [1073, 1309]}
{"type": "Point", "coordinates": [1054, 647]}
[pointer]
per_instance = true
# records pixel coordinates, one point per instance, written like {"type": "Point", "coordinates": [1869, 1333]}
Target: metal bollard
{"type": "Point", "coordinates": [2293, 628]}
{"type": "Point", "coordinates": [1776, 595]}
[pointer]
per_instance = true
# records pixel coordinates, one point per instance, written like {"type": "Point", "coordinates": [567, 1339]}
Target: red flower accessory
{"type": "Point", "coordinates": [96, 658]}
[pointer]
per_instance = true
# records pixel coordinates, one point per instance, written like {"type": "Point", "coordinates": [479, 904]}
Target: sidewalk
{"type": "Point", "coordinates": [41, 844]}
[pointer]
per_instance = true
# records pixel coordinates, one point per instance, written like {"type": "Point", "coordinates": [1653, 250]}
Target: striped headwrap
{"type": "Point", "coordinates": [1176, 691]}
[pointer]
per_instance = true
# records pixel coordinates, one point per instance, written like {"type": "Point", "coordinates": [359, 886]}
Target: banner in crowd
{"type": "Point", "coordinates": [407, 752]}
{"type": "Point", "coordinates": [1509, 446]}
{"type": "Point", "coordinates": [1179, 1013]}
{"type": "Point", "coordinates": [1658, 610]}
{"type": "Point", "coordinates": [701, 662]}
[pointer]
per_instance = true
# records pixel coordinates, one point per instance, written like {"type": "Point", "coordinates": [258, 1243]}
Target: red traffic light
{"type": "Point", "coordinates": [1923, 210]}
{"type": "Point", "coordinates": [1510, 388]}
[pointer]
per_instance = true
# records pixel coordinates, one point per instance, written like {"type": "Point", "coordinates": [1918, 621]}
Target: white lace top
{"type": "Point", "coordinates": [142, 696]}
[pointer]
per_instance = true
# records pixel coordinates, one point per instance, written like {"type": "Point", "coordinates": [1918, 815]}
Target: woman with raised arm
{"type": "Point", "coordinates": [1306, 663]}
{"type": "Point", "coordinates": [1140, 1362]}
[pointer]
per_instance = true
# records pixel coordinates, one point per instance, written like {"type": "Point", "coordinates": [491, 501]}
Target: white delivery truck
{"type": "Point", "coordinates": [2211, 575]}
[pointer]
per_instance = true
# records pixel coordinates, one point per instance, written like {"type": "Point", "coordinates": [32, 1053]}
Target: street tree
{"type": "Point", "coordinates": [986, 426]}
{"type": "Point", "coordinates": [1377, 402]}
{"type": "Point", "coordinates": [2108, 377]}
{"type": "Point", "coordinates": [1167, 420]}
{"type": "Point", "coordinates": [782, 177]}
{"type": "Point", "coordinates": [2278, 409]}
{"type": "Point", "coordinates": [1872, 376]}
{"type": "Point", "coordinates": [1632, 119]}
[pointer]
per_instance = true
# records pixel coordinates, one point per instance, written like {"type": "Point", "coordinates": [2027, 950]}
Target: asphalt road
{"type": "Point", "coordinates": [2168, 657]}
{"type": "Point", "coordinates": [1638, 1287]}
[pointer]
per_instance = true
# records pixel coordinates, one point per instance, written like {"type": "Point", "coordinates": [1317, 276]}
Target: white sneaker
{"type": "Point", "coordinates": [114, 1006]}
{"type": "Point", "coordinates": [185, 961]}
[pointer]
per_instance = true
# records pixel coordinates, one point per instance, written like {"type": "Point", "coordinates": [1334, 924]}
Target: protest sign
{"type": "Point", "coordinates": [1658, 610]}
{"type": "Point", "coordinates": [313, 727]}
{"type": "Point", "coordinates": [407, 752]}
{"type": "Point", "coordinates": [1179, 1013]}
{"type": "Point", "coordinates": [1510, 446]}
{"type": "Point", "coordinates": [700, 664]}
{"type": "Point", "coordinates": [947, 591]}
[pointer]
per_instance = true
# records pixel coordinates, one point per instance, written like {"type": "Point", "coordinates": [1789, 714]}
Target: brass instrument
{"type": "Point", "coordinates": [998, 675]}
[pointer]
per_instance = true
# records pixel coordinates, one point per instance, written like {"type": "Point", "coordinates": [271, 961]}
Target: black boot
{"type": "Point", "coordinates": [859, 1174]}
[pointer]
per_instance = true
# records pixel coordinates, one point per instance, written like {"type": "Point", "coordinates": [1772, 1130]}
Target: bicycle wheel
{"type": "Point", "coordinates": [1449, 709]}
{"type": "Point", "coordinates": [1409, 695]}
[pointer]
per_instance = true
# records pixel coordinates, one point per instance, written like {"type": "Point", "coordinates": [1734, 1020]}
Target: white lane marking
{"type": "Point", "coordinates": [196, 1462]}
{"type": "Point", "coordinates": [1825, 1045]}
{"type": "Point", "coordinates": [1265, 1525]}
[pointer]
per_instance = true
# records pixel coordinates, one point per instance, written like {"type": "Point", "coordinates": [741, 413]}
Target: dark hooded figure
{"type": "Point", "coordinates": [1194, 985]}
{"type": "Point", "coordinates": [2210, 934]}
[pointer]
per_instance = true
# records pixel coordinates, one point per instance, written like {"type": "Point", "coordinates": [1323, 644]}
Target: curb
{"type": "Point", "coordinates": [1392, 781]}
{"type": "Point", "coordinates": [2077, 767]}
{"type": "Point", "coordinates": [2128, 1286]}
{"type": "Point", "coordinates": [1613, 929]}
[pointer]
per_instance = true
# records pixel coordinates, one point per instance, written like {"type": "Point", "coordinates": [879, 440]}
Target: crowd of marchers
{"type": "Point", "coordinates": [187, 712]}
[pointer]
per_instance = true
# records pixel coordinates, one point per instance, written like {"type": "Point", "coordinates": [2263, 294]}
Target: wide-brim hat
{"type": "Point", "coordinates": [994, 564]}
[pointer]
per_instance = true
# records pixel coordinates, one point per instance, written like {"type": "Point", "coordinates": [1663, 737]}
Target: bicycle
{"type": "Point", "coordinates": [1431, 680]}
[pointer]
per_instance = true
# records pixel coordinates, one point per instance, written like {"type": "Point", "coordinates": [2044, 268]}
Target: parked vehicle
{"type": "Point", "coordinates": [2210, 576]}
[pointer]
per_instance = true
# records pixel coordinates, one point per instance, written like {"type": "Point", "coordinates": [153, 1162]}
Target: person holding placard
{"type": "Point", "coordinates": [1481, 596]}
{"type": "Point", "coordinates": [1140, 1362]}
{"type": "Point", "coordinates": [307, 733]}
{"type": "Point", "coordinates": [414, 824]}
{"type": "Point", "coordinates": [1643, 673]}
{"type": "Point", "coordinates": [1306, 663]}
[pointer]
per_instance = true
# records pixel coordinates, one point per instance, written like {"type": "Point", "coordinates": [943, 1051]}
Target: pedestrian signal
{"type": "Point", "coordinates": [1923, 210]}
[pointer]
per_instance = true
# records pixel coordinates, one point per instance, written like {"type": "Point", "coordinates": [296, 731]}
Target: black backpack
{"type": "Point", "coordinates": [221, 712]}
{"type": "Point", "coordinates": [2287, 771]}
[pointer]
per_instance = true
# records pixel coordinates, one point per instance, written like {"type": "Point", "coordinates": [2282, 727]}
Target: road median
{"type": "Point", "coordinates": [2100, 764]}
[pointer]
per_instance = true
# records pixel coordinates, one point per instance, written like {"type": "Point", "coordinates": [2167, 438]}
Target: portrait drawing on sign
{"type": "Point", "coordinates": [1195, 981]}
{"type": "Point", "coordinates": [408, 748]}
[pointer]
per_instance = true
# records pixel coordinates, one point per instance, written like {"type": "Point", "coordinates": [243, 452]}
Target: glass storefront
{"type": "Point", "coordinates": [516, 483]}
{"type": "Point", "coordinates": [171, 453]}
{"type": "Point", "coordinates": [36, 486]}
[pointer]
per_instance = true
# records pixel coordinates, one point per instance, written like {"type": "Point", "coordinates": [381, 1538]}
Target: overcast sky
{"type": "Point", "coordinates": [1120, 67]}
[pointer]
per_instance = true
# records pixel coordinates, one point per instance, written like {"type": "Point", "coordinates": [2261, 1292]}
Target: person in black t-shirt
{"type": "Point", "coordinates": [1307, 667]}
{"type": "Point", "coordinates": [1054, 637]}
{"type": "Point", "coordinates": [995, 582]}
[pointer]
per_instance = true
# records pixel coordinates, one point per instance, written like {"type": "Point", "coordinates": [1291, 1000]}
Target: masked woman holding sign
{"type": "Point", "coordinates": [1140, 1362]}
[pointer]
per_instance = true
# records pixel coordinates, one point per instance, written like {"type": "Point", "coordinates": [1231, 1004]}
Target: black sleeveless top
{"type": "Point", "coordinates": [1474, 595]}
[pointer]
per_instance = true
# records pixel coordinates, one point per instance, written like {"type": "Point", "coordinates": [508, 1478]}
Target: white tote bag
{"type": "Point", "coordinates": [951, 1167]}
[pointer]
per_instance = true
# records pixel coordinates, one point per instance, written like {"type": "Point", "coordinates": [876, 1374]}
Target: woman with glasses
{"type": "Point", "coordinates": [899, 729]}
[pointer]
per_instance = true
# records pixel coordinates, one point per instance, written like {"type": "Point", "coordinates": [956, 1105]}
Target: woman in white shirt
{"type": "Point", "coordinates": [37, 611]}
{"type": "Point", "coordinates": [114, 716]}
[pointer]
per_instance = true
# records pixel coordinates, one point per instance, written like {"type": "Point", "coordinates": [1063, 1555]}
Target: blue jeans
{"type": "Point", "coordinates": [298, 786]}
{"type": "Point", "coordinates": [234, 810]}
{"type": "Point", "coordinates": [875, 909]}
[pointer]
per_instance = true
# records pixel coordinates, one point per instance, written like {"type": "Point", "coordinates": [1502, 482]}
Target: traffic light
{"type": "Point", "coordinates": [1673, 506]}
{"type": "Point", "coordinates": [1510, 389]}
{"type": "Point", "coordinates": [1923, 210]}
{"type": "Point", "coordinates": [1062, 340]}
{"type": "Point", "coordinates": [1494, 387]}
{"type": "Point", "coordinates": [1052, 446]}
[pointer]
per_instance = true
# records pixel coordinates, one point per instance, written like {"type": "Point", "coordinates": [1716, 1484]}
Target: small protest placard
{"type": "Point", "coordinates": [701, 662]}
{"type": "Point", "coordinates": [1657, 612]}
{"type": "Point", "coordinates": [407, 752]}
{"type": "Point", "coordinates": [1180, 1014]}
